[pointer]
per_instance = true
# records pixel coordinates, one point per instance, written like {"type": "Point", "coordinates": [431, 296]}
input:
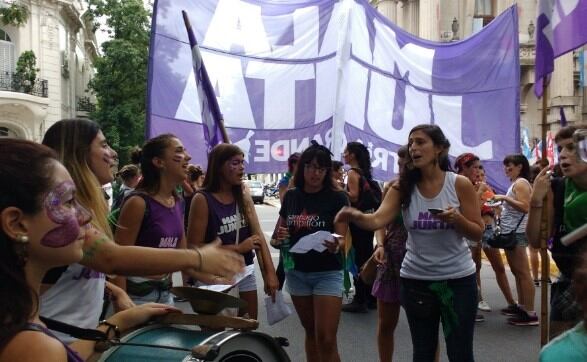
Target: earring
{"type": "Point", "coordinates": [20, 249]}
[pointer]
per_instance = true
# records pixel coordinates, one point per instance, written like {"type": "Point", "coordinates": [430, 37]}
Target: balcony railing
{"type": "Point", "coordinates": [12, 83]}
{"type": "Point", "coordinates": [85, 105]}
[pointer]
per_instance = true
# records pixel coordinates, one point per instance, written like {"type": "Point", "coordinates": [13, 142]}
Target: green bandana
{"type": "Point", "coordinates": [448, 316]}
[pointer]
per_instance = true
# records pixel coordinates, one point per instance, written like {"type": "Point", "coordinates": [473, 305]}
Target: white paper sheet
{"type": "Point", "coordinates": [249, 269]}
{"type": "Point", "coordinates": [277, 311]}
{"type": "Point", "coordinates": [313, 241]}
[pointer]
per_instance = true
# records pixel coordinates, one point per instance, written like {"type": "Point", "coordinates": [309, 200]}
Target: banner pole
{"type": "Point", "coordinates": [544, 227]}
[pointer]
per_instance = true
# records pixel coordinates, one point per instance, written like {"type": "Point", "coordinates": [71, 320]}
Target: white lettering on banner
{"type": "Point", "coordinates": [237, 23]}
{"type": "Point", "coordinates": [265, 151]}
{"type": "Point", "coordinates": [447, 111]}
{"type": "Point", "coordinates": [412, 59]}
{"type": "Point", "coordinates": [280, 89]}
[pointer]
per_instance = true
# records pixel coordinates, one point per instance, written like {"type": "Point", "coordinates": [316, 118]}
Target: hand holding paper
{"type": "Point", "coordinates": [313, 241]}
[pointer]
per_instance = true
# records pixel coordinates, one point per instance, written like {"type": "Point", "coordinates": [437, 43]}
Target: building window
{"type": "Point", "coordinates": [7, 61]}
{"type": "Point", "coordinates": [484, 14]}
{"type": "Point", "coordinates": [7, 132]}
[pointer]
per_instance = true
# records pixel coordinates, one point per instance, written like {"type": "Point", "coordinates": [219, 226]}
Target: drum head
{"type": "Point", "coordinates": [206, 301]}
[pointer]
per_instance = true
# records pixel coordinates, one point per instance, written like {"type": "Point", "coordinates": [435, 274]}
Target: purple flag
{"type": "Point", "coordinates": [560, 29]}
{"type": "Point", "coordinates": [209, 109]}
{"type": "Point", "coordinates": [563, 117]}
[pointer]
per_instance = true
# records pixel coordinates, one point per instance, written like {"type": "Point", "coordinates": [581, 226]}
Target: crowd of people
{"type": "Point", "coordinates": [62, 250]}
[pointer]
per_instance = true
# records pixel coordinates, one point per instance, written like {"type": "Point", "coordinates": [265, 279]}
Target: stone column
{"type": "Point", "coordinates": [413, 17]}
{"type": "Point", "coordinates": [429, 22]}
{"type": "Point", "coordinates": [388, 8]}
{"type": "Point", "coordinates": [562, 89]}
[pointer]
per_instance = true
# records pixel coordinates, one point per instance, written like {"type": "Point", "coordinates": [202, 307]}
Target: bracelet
{"type": "Point", "coordinates": [200, 259]}
{"type": "Point", "coordinates": [111, 327]}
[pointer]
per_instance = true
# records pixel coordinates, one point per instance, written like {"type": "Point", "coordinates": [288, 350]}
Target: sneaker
{"type": "Point", "coordinates": [512, 310]}
{"type": "Point", "coordinates": [354, 307]}
{"type": "Point", "coordinates": [484, 306]}
{"type": "Point", "coordinates": [524, 319]}
{"type": "Point", "coordinates": [479, 318]}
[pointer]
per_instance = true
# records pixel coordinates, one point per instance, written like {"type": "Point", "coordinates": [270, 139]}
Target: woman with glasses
{"type": "Point", "coordinates": [315, 279]}
{"type": "Point", "coordinates": [222, 210]}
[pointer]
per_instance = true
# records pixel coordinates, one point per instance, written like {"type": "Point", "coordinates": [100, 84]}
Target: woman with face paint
{"type": "Point", "coordinates": [437, 275]}
{"type": "Point", "coordinates": [222, 210]}
{"type": "Point", "coordinates": [75, 292]}
{"type": "Point", "coordinates": [152, 216]}
{"type": "Point", "coordinates": [41, 226]}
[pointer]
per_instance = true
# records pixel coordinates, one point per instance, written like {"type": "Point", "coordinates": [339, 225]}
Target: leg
{"type": "Point", "coordinates": [326, 317]}
{"type": "Point", "coordinates": [459, 343]}
{"type": "Point", "coordinates": [518, 261]}
{"type": "Point", "coordinates": [388, 315]}
{"type": "Point", "coordinates": [251, 298]}
{"type": "Point", "coordinates": [305, 309]}
{"type": "Point", "coordinates": [423, 312]}
{"type": "Point", "coordinates": [363, 245]}
{"type": "Point", "coordinates": [494, 257]}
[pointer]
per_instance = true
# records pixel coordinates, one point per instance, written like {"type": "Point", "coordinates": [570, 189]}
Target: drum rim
{"type": "Point", "coordinates": [147, 328]}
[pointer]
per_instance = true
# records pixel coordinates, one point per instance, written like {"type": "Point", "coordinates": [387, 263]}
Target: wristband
{"type": "Point", "coordinates": [104, 345]}
{"type": "Point", "coordinates": [200, 259]}
{"type": "Point", "coordinates": [111, 327]}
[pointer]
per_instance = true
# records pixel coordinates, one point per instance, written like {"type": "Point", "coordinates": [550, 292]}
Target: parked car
{"type": "Point", "coordinates": [256, 190]}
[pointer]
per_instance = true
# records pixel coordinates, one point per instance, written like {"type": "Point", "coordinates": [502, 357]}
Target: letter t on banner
{"type": "Point", "coordinates": [560, 29]}
{"type": "Point", "coordinates": [214, 131]}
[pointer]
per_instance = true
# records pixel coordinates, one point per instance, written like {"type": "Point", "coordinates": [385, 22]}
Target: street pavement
{"type": "Point", "coordinates": [495, 340]}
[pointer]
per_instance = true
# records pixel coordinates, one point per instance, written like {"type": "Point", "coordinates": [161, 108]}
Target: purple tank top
{"type": "Point", "coordinates": [72, 356]}
{"type": "Point", "coordinates": [162, 226]}
{"type": "Point", "coordinates": [223, 222]}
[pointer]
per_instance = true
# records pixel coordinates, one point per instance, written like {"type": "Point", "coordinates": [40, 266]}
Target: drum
{"type": "Point", "coordinates": [195, 345]}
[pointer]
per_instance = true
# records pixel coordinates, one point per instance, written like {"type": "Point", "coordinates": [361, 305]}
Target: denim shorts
{"type": "Point", "coordinates": [248, 284]}
{"type": "Point", "coordinates": [304, 284]}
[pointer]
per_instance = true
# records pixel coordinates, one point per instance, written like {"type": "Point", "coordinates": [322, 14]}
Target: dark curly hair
{"type": "Point", "coordinates": [409, 175]}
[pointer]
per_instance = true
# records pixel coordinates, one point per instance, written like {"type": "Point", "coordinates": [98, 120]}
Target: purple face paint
{"type": "Point", "coordinates": [178, 158]}
{"type": "Point", "coordinates": [63, 209]}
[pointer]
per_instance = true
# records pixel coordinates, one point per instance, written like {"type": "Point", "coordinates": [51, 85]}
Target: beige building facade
{"type": "Point", "coordinates": [64, 44]}
{"type": "Point", "coordinates": [453, 20]}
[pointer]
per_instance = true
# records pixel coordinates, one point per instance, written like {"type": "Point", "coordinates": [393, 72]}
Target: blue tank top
{"type": "Point", "coordinates": [223, 222]}
{"type": "Point", "coordinates": [162, 226]}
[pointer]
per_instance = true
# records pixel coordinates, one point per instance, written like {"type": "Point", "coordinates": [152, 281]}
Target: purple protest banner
{"type": "Point", "coordinates": [285, 73]}
{"type": "Point", "coordinates": [561, 27]}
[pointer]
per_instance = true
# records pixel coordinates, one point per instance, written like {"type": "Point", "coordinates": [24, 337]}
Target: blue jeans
{"type": "Point", "coordinates": [422, 308]}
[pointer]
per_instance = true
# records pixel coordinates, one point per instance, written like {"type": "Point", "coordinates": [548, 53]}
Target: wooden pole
{"type": "Point", "coordinates": [225, 138]}
{"type": "Point", "coordinates": [545, 270]}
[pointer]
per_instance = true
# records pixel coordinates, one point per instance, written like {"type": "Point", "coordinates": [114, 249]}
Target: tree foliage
{"type": "Point", "coordinates": [120, 82]}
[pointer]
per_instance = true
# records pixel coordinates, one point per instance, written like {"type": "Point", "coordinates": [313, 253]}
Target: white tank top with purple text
{"type": "Point", "coordinates": [434, 250]}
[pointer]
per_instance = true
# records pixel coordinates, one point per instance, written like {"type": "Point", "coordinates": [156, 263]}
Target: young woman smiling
{"type": "Point", "coordinates": [438, 272]}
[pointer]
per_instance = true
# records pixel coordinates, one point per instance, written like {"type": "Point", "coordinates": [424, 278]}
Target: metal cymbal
{"type": "Point", "coordinates": [207, 301]}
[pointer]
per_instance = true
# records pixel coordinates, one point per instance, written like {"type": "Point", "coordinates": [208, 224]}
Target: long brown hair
{"type": "Point", "coordinates": [409, 175]}
{"type": "Point", "coordinates": [72, 140]}
{"type": "Point", "coordinates": [219, 155]}
{"type": "Point", "coordinates": [25, 176]}
{"type": "Point", "coordinates": [155, 147]}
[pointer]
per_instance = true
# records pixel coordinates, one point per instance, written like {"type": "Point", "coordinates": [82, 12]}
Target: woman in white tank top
{"type": "Point", "coordinates": [516, 203]}
{"type": "Point", "coordinates": [438, 274]}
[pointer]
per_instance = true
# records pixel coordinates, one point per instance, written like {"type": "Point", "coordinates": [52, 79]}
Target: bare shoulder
{"type": "Point", "coordinates": [33, 346]}
{"type": "Point", "coordinates": [134, 202]}
{"type": "Point", "coordinates": [463, 183]}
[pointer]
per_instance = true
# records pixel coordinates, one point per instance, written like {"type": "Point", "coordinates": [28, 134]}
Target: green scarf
{"type": "Point", "coordinates": [448, 316]}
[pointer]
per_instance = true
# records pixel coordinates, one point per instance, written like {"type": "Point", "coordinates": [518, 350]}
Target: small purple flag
{"type": "Point", "coordinates": [210, 111]}
{"type": "Point", "coordinates": [561, 27]}
{"type": "Point", "coordinates": [563, 117]}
